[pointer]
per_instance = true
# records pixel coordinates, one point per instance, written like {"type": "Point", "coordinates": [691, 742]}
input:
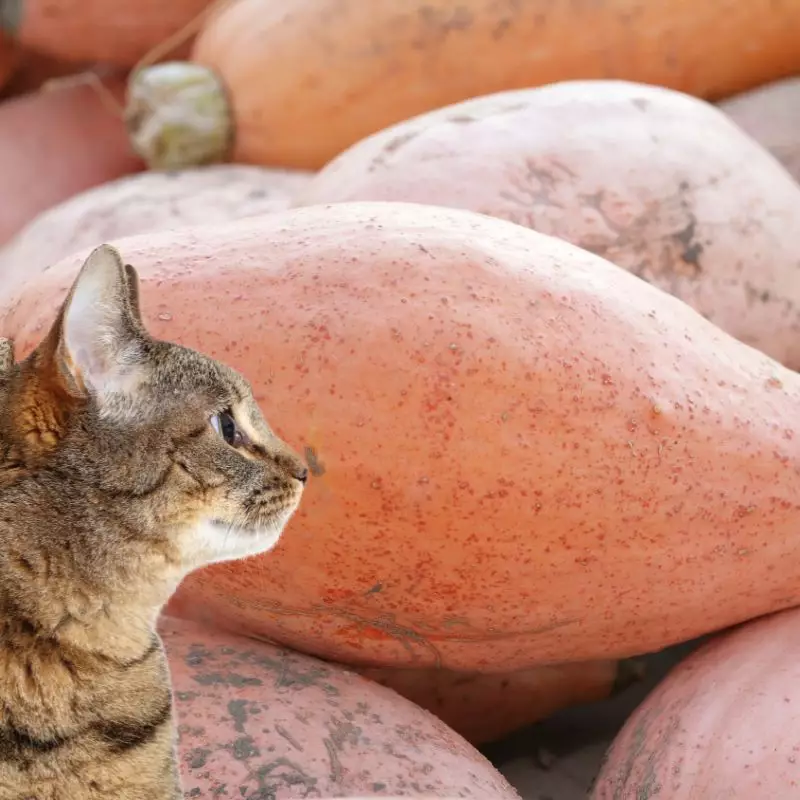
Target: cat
{"type": "Point", "coordinates": [125, 463]}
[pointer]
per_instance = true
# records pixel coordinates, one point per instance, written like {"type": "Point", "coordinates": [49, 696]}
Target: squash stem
{"type": "Point", "coordinates": [178, 116]}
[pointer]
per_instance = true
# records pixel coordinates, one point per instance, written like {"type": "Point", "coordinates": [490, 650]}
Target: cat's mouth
{"type": "Point", "coordinates": [266, 528]}
{"type": "Point", "coordinates": [221, 526]}
{"type": "Point", "coordinates": [216, 539]}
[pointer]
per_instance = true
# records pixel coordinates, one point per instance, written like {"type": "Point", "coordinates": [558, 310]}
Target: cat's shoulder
{"type": "Point", "coordinates": [10, 468]}
{"type": "Point", "coordinates": [7, 359]}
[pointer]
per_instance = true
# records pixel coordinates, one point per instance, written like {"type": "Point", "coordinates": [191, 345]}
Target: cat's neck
{"type": "Point", "coordinates": [59, 582]}
{"type": "Point", "coordinates": [107, 624]}
{"type": "Point", "coordinates": [116, 626]}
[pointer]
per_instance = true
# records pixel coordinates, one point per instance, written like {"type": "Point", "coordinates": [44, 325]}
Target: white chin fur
{"type": "Point", "coordinates": [212, 541]}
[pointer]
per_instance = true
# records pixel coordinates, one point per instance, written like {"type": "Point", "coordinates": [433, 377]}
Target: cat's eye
{"type": "Point", "coordinates": [225, 425]}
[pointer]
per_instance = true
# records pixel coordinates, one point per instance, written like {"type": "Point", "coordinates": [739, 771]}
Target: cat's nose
{"type": "Point", "coordinates": [293, 465]}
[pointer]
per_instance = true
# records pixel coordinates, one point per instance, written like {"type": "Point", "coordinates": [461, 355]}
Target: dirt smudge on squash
{"type": "Point", "coordinates": [391, 147]}
{"type": "Point", "coordinates": [238, 711]}
{"type": "Point", "coordinates": [279, 775]}
{"type": "Point", "coordinates": [646, 756]}
{"type": "Point", "coordinates": [281, 731]}
{"type": "Point", "coordinates": [197, 757]}
{"type": "Point", "coordinates": [243, 748]}
{"type": "Point", "coordinates": [227, 679]}
{"type": "Point", "coordinates": [659, 241]}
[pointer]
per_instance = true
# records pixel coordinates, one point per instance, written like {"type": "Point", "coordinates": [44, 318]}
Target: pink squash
{"type": "Point", "coordinates": [144, 203]}
{"type": "Point", "coordinates": [259, 721]}
{"type": "Point", "coordinates": [56, 143]}
{"type": "Point", "coordinates": [725, 723]}
{"type": "Point", "coordinates": [8, 58]}
{"type": "Point", "coordinates": [771, 115]}
{"type": "Point", "coordinates": [658, 182]}
{"type": "Point", "coordinates": [521, 453]}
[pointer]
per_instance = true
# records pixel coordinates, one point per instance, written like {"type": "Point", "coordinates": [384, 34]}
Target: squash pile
{"type": "Point", "coordinates": [522, 282]}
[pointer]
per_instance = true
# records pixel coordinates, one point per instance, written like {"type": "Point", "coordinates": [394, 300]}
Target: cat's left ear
{"type": "Point", "coordinates": [102, 345]}
{"type": "Point", "coordinates": [132, 280]}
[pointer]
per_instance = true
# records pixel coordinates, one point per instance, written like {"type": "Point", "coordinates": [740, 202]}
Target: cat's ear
{"type": "Point", "coordinates": [101, 342]}
{"type": "Point", "coordinates": [133, 292]}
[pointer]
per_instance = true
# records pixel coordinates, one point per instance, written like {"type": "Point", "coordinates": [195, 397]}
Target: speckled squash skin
{"type": "Point", "coordinates": [521, 453]}
{"type": "Point", "coordinates": [143, 203]}
{"type": "Point", "coordinates": [653, 180]}
{"type": "Point", "coordinates": [56, 143]}
{"type": "Point", "coordinates": [256, 720]}
{"type": "Point", "coordinates": [725, 723]}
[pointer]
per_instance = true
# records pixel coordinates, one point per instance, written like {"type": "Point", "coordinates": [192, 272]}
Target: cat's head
{"type": "Point", "coordinates": [168, 440]}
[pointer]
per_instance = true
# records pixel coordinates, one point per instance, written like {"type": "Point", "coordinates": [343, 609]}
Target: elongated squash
{"type": "Point", "coordinates": [8, 59]}
{"type": "Point", "coordinates": [294, 82]}
{"type": "Point", "coordinates": [35, 71]}
{"type": "Point", "coordinates": [114, 31]}
{"type": "Point", "coordinates": [658, 182]}
{"type": "Point", "coordinates": [258, 721]}
{"type": "Point", "coordinates": [521, 453]}
{"type": "Point", "coordinates": [485, 707]}
{"type": "Point", "coordinates": [723, 723]}
{"type": "Point", "coordinates": [142, 203]}
{"type": "Point", "coordinates": [771, 115]}
{"type": "Point", "coordinates": [54, 144]}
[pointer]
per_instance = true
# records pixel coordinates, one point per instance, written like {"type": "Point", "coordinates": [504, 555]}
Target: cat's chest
{"type": "Point", "coordinates": [62, 690]}
{"type": "Point", "coordinates": [67, 722]}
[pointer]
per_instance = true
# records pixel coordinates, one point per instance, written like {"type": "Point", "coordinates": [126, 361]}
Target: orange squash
{"type": "Point", "coordinates": [725, 723]}
{"type": "Point", "coordinates": [307, 78]}
{"type": "Point", "coordinates": [54, 144]}
{"type": "Point", "coordinates": [521, 453]}
{"type": "Point", "coordinates": [771, 115]}
{"type": "Point", "coordinates": [655, 181]}
{"type": "Point", "coordinates": [114, 31]}
{"type": "Point", "coordinates": [142, 203]}
{"type": "Point", "coordinates": [258, 721]}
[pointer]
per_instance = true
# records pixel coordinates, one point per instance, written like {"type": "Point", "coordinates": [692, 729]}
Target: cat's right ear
{"type": "Point", "coordinates": [101, 344]}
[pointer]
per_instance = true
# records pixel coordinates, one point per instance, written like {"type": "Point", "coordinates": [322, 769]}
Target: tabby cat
{"type": "Point", "coordinates": [127, 462]}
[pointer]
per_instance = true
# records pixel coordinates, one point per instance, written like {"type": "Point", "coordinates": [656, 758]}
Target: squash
{"type": "Point", "coordinates": [656, 181]}
{"type": "Point", "coordinates": [486, 707]}
{"type": "Point", "coordinates": [9, 57]}
{"type": "Point", "coordinates": [771, 115]}
{"type": "Point", "coordinates": [481, 708]}
{"type": "Point", "coordinates": [35, 71]}
{"type": "Point", "coordinates": [307, 78]}
{"type": "Point", "coordinates": [143, 203]}
{"type": "Point", "coordinates": [521, 453]}
{"type": "Point", "coordinates": [54, 144]}
{"type": "Point", "coordinates": [723, 724]}
{"type": "Point", "coordinates": [114, 31]}
{"type": "Point", "coordinates": [259, 721]}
